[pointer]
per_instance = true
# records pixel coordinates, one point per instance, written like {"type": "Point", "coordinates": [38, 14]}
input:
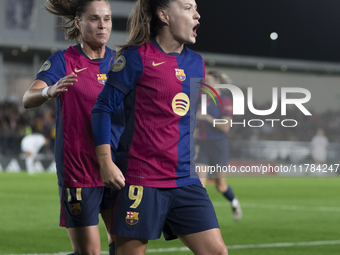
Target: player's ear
{"type": "Point", "coordinates": [77, 23]}
{"type": "Point", "coordinates": [163, 16]}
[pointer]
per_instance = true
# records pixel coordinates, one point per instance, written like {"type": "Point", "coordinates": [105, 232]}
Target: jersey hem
{"type": "Point", "coordinates": [174, 183]}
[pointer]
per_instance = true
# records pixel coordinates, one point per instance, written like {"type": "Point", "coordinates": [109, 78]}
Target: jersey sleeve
{"type": "Point", "coordinates": [126, 71]}
{"type": "Point", "coordinates": [226, 107]}
{"type": "Point", "coordinates": [108, 110]}
{"type": "Point", "coordinates": [108, 116]}
{"type": "Point", "coordinates": [53, 69]}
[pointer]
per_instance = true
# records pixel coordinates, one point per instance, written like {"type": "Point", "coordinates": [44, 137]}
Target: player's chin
{"type": "Point", "coordinates": [192, 40]}
{"type": "Point", "coordinates": [102, 40]}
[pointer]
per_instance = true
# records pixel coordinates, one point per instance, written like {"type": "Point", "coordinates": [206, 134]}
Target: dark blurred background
{"type": "Point", "coordinates": [307, 29]}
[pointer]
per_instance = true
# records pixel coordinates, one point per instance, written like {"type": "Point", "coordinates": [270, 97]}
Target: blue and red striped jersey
{"type": "Point", "coordinates": [156, 148]}
{"type": "Point", "coordinates": [206, 130]}
{"type": "Point", "coordinates": [75, 155]}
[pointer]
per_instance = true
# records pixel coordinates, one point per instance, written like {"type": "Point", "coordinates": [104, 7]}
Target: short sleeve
{"type": "Point", "coordinates": [126, 71]}
{"type": "Point", "coordinates": [53, 69]}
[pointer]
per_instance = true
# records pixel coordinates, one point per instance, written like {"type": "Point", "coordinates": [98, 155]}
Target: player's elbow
{"type": "Point", "coordinates": [25, 101]}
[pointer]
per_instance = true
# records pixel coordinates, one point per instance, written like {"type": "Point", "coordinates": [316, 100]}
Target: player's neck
{"type": "Point", "coordinates": [168, 44]}
{"type": "Point", "coordinates": [93, 53]}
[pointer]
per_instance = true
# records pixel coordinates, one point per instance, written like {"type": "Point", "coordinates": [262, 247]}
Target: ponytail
{"type": "Point", "coordinates": [143, 22]}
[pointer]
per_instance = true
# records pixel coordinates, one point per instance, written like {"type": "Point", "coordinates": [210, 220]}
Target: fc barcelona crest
{"type": "Point", "coordinates": [75, 208]}
{"type": "Point", "coordinates": [180, 74]}
{"type": "Point", "coordinates": [101, 78]}
{"type": "Point", "coordinates": [132, 218]}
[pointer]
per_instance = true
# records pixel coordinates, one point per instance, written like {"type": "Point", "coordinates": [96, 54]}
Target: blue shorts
{"type": "Point", "coordinates": [144, 212]}
{"type": "Point", "coordinates": [80, 207]}
{"type": "Point", "coordinates": [212, 152]}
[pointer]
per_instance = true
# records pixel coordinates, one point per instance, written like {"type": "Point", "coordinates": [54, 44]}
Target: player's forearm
{"type": "Point", "coordinates": [103, 153]}
{"type": "Point", "coordinates": [110, 174]}
{"type": "Point", "coordinates": [33, 98]}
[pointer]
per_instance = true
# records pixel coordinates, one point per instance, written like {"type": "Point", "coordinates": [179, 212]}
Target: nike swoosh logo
{"type": "Point", "coordinates": [157, 64]}
{"type": "Point", "coordinates": [79, 70]}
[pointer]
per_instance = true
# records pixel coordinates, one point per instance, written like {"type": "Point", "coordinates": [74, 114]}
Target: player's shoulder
{"type": "Point", "coordinates": [58, 55]}
{"type": "Point", "coordinates": [129, 57]}
{"type": "Point", "coordinates": [54, 61]}
{"type": "Point", "coordinates": [130, 50]}
{"type": "Point", "coordinates": [130, 53]}
{"type": "Point", "coordinates": [109, 52]}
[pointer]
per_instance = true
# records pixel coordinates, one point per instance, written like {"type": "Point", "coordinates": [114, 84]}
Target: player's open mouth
{"type": "Point", "coordinates": [195, 29]}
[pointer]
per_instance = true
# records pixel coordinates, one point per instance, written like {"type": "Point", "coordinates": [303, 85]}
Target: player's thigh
{"type": "Point", "coordinates": [85, 240]}
{"type": "Point", "coordinates": [213, 152]}
{"type": "Point", "coordinates": [140, 212]}
{"type": "Point", "coordinates": [107, 218]}
{"type": "Point", "coordinates": [191, 211]}
{"type": "Point", "coordinates": [129, 245]}
{"type": "Point", "coordinates": [79, 213]}
{"type": "Point", "coordinates": [205, 242]}
{"type": "Point", "coordinates": [220, 184]}
{"type": "Point", "coordinates": [106, 211]}
{"type": "Point", "coordinates": [80, 207]}
{"type": "Point", "coordinates": [220, 152]}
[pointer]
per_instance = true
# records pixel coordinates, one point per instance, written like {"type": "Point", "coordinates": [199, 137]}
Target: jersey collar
{"type": "Point", "coordinates": [155, 43]}
{"type": "Point", "coordinates": [82, 53]}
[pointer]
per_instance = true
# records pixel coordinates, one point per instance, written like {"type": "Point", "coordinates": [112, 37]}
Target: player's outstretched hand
{"type": "Point", "coordinates": [62, 85]}
{"type": "Point", "coordinates": [112, 177]}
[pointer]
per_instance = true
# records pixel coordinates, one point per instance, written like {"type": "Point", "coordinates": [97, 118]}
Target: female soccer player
{"type": "Point", "coordinates": [148, 94]}
{"type": "Point", "coordinates": [212, 141]}
{"type": "Point", "coordinates": [74, 77]}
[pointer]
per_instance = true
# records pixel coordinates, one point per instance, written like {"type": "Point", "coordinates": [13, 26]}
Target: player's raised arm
{"type": "Point", "coordinates": [39, 92]}
{"type": "Point", "coordinates": [74, 77]}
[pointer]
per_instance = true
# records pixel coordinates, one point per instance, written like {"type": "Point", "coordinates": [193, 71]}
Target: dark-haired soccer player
{"type": "Point", "coordinates": [149, 79]}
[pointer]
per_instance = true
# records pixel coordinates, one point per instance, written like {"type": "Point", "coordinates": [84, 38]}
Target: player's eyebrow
{"type": "Point", "coordinates": [97, 16]}
{"type": "Point", "coordinates": [190, 5]}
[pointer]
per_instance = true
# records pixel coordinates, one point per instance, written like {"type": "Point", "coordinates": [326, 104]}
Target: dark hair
{"type": "Point", "coordinates": [68, 10]}
{"type": "Point", "coordinates": [143, 22]}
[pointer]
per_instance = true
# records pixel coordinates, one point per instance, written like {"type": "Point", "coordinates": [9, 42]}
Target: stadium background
{"type": "Point", "coordinates": [233, 38]}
